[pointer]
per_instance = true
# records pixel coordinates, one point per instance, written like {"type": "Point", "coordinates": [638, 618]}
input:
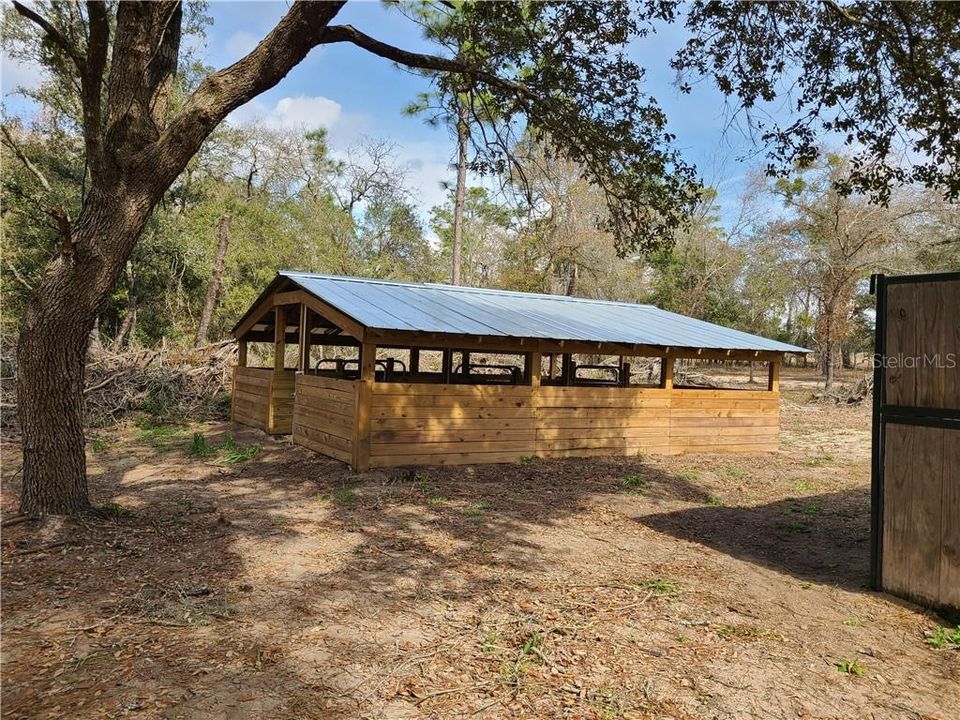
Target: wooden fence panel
{"type": "Point", "coordinates": [450, 424]}
{"type": "Point", "coordinates": [912, 513]}
{"type": "Point", "coordinates": [250, 403]}
{"type": "Point", "coordinates": [588, 421]}
{"type": "Point", "coordinates": [281, 403]}
{"type": "Point", "coordinates": [459, 424]}
{"type": "Point", "coordinates": [324, 414]}
{"type": "Point", "coordinates": [915, 537]}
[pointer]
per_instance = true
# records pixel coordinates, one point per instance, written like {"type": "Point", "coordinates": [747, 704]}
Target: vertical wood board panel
{"type": "Point", "coordinates": [950, 521]}
{"type": "Point", "coordinates": [913, 481]}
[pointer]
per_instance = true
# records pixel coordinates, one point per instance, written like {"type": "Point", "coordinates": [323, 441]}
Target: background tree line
{"type": "Point", "coordinates": [792, 264]}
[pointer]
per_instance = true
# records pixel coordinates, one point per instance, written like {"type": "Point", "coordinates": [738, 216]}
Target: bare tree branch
{"type": "Point", "coordinates": [421, 61]}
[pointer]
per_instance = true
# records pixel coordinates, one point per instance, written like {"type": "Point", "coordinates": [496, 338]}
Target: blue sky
{"type": "Point", "coordinates": [354, 93]}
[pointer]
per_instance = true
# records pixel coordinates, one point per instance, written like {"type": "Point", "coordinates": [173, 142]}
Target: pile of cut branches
{"type": "Point", "coordinates": [848, 394]}
{"type": "Point", "coordinates": [167, 384]}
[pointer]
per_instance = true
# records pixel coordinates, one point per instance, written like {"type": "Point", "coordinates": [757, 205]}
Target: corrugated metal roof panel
{"type": "Point", "coordinates": [428, 307]}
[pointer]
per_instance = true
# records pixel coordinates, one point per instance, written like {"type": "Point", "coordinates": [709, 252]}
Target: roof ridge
{"type": "Point", "coordinates": [461, 288]}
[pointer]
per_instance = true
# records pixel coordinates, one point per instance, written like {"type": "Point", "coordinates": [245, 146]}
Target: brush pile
{"type": "Point", "coordinates": [167, 384]}
{"type": "Point", "coordinates": [848, 394]}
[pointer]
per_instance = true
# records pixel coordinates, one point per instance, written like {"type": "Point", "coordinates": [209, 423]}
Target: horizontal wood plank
{"type": "Point", "coordinates": [451, 435]}
{"type": "Point", "coordinates": [431, 423]}
{"type": "Point", "coordinates": [323, 449]}
{"type": "Point", "coordinates": [322, 438]}
{"type": "Point", "coordinates": [386, 389]}
{"type": "Point", "coordinates": [524, 447]}
{"type": "Point", "coordinates": [456, 413]}
{"type": "Point", "coordinates": [465, 458]}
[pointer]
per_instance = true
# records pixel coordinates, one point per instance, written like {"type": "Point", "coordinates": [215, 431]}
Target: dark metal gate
{"type": "Point", "coordinates": [915, 491]}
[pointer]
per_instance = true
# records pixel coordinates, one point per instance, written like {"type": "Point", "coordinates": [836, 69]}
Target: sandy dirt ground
{"type": "Point", "coordinates": [284, 586]}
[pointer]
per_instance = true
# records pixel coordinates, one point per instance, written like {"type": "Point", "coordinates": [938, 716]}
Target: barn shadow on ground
{"type": "Point", "coordinates": [821, 538]}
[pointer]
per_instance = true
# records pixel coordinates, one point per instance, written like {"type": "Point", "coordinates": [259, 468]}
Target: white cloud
{"type": "Point", "coordinates": [299, 112]}
{"type": "Point", "coordinates": [428, 167]}
{"type": "Point", "coordinates": [306, 113]}
{"type": "Point", "coordinates": [239, 44]}
{"type": "Point", "coordinates": [302, 111]}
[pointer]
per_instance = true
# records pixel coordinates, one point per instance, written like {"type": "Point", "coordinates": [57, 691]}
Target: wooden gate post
{"type": "Point", "coordinates": [306, 318]}
{"type": "Point", "coordinates": [534, 368]}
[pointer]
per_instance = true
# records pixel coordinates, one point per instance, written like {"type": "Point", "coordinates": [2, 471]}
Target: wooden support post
{"type": "Point", "coordinates": [279, 351]}
{"type": "Point", "coordinates": [552, 372]}
{"type": "Point", "coordinates": [414, 361]}
{"type": "Point", "coordinates": [447, 365]}
{"type": "Point", "coordinates": [279, 343]}
{"type": "Point", "coordinates": [666, 373]}
{"type": "Point", "coordinates": [306, 319]}
{"type": "Point", "coordinates": [361, 428]}
{"type": "Point", "coordinates": [533, 363]}
{"type": "Point", "coordinates": [242, 352]}
{"type": "Point", "coordinates": [466, 363]}
{"type": "Point", "coordinates": [567, 369]}
{"type": "Point", "coordinates": [773, 377]}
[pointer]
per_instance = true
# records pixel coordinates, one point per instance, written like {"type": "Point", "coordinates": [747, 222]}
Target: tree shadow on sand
{"type": "Point", "coordinates": [166, 591]}
{"type": "Point", "coordinates": [823, 538]}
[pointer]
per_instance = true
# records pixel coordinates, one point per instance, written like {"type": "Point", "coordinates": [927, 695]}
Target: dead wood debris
{"type": "Point", "coordinates": [166, 383]}
{"type": "Point", "coordinates": [848, 394]}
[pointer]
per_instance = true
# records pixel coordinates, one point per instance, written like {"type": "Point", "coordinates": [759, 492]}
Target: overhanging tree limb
{"type": "Point", "coordinates": [56, 37]}
{"type": "Point", "coordinates": [420, 61]}
{"type": "Point", "coordinates": [298, 32]}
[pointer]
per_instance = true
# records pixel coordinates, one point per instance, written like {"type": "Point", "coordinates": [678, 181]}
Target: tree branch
{"type": "Point", "coordinates": [298, 32]}
{"type": "Point", "coordinates": [421, 61]}
{"type": "Point", "coordinates": [18, 276]}
{"type": "Point", "coordinates": [21, 156]}
{"type": "Point", "coordinates": [55, 35]}
{"type": "Point", "coordinates": [91, 82]}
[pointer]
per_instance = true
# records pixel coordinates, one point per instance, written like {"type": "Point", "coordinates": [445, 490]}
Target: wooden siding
{"type": "Point", "coordinates": [588, 421]}
{"type": "Point", "coordinates": [324, 414]}
{"type": "Point", "coordinates": [923, 344]}
{"type": "Point", "coordinates": [251, 396]}
{"type": "Point", "coordinates": [415, 424]}
{"type": "Point", "coordinates": [263, 399]}
{"type": "Point", "coordinates": [460, 424]}
{"type": "Point", "coordinates": [918, 473]}
{"type": "Point", "coordinates": [921, 514]}
{"type": "Point", "coordinates": [281, 403]}
{"type": "Point", "coordinates": [724, 421]}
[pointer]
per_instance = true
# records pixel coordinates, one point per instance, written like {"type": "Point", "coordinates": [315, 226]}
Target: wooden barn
{"type": "Point", "coordinates": [379, 373]}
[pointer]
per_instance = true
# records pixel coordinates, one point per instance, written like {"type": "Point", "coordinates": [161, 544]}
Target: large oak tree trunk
{"type": "Point", "coordinates": [52, 350]}
{"type": "Point", "coordinates": [134, 154]}
{"type": "Point", "coordinates": [50, 369]}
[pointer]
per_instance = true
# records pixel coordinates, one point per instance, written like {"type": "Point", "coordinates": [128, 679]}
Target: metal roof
{"type": "Point", "coordinates": [431, 307]}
